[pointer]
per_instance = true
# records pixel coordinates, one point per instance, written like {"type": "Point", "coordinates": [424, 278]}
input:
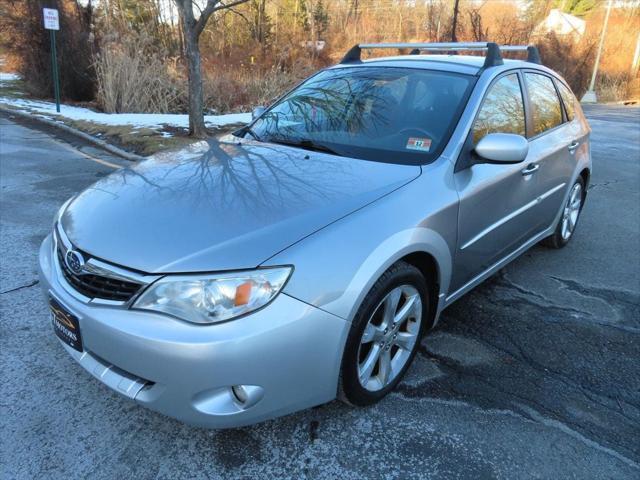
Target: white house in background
{"type": "Point", "coordinates": [561, 24]}
{"type": "Point", "coordinates": [318, 45]}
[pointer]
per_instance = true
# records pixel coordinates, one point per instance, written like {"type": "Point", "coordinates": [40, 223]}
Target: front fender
{"type": "Point", "coordinates": [335, 274]}
{"type": "Point", "coordinates": [391, 250]}
{"type": "Point", "coordinates": [337, 266]}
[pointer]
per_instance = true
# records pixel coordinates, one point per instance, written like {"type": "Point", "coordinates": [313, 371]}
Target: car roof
{"type": "Point", "coordinates": [466, 64]}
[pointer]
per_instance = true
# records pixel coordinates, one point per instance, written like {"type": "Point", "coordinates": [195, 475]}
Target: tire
{"type": "Point", "coordinates": [561, 237]}
{"type": "Point", "coordinates": [413, 299]}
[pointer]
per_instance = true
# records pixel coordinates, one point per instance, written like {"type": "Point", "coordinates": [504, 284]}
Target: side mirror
{"type": "Point", "coordinates": [503, 148]}
{"type": "Point", "coordinates": [257, 112]}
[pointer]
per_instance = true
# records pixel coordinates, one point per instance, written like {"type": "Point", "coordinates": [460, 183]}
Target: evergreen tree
{"type": "Point", "coordinates": [579, 8]}
{"type": "Point", "coordinates": [320, 19]}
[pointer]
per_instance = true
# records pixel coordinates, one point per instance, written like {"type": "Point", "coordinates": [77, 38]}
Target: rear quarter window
{"type": "Point", "coordinates": [569, 100]}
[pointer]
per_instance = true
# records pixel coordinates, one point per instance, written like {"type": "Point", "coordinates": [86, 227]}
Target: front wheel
{"type": "Point", "coordinates": [570, 215]}
{"type": "Point", "coordinates": [384, 335]}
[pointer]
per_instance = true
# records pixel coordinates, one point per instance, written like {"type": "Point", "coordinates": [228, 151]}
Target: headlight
{"type": "Point", "coordinates": [61, 210]}
{"type": "Point", "coordinates": [213, 298]}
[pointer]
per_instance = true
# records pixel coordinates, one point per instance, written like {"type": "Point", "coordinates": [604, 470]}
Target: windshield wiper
{"type": "Point", "coordinates": [305, 144]}
{"type": "Point", "coordinates": [250, 131]}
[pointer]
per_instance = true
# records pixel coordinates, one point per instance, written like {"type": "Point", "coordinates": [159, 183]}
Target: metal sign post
{"type": "Point", "coordinates": [52, 23]}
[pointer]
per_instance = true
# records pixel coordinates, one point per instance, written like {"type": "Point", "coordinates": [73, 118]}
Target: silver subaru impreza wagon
{"type": "Point", "coordinates": [302, 258]}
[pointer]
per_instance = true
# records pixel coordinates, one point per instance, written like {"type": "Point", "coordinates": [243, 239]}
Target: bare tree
{"type": "Point", "coordinates": [454, 22]}
{"type": "Point", "coordinates": [192, 29]}
{"type": "Point", "coordinates": [479, 33]}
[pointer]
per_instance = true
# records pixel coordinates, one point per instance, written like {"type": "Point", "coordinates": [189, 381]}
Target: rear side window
{"type": "Point", "coordinates": [502, 110]}
{"type": "Point", "coordinates": [545, 105]}
{"type": "Point", "coordinates": [568, 99]}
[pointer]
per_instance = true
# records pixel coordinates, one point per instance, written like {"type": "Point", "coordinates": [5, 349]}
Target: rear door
{"type": "Point", "coordinates": [496, 214]}
{"type": "Point", "coordinates": [552, 144]}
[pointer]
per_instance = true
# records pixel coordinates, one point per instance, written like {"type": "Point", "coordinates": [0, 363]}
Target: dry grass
{"type": "Point", "coordinates": [12, 88]}
{"type": "Point", "coordinates": [241, 89]}
{"type": "Point", "coordinates": [131, 77]}
{"type": "Point", "coordinates": [143, 141]}
{"type": "Point", "coordinates": [613, 88]}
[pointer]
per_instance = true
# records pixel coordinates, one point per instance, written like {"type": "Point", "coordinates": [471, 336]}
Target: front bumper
{"type": "Point", "coordinates": [290, 350]}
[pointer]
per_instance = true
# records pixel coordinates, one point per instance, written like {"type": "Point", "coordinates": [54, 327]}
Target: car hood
{"type": "Point", "coordinates": [221, 205]}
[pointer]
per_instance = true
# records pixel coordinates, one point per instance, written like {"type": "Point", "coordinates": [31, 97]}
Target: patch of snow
{"type": "Point", "coordinates": [138, 120]}
{"type": "Point", "coordinates": [194, 150]}
{"type": "Point", "coordinates": [9, 77]}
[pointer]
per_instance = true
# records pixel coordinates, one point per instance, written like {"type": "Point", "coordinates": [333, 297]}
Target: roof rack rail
{"type": "Point", "coordinates": [493, 58]}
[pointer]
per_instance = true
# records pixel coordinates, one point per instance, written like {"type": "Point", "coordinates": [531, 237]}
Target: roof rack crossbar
{"type": "Point", "coordinates": [493, 58]}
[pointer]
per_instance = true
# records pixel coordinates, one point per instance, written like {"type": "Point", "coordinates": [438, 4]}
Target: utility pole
{"type": "Point", "coordinates": [590, 96]}
{"type": "Point", "coordinates": [635, 64]}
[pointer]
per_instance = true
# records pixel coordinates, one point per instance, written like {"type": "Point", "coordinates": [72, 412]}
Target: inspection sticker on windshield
{"type": "Point", "coordinates": [422, 144]}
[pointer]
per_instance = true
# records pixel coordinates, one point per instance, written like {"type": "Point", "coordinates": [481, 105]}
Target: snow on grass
{"type": "Point", "coordinates": [137, 120]}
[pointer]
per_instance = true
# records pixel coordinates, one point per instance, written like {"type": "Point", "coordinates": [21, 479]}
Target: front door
{"type": "Point", "coordinates": [496, 214]}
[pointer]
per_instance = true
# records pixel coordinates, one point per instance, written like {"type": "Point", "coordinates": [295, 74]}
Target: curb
{"type": "Point", "coordinates": [85, 136]}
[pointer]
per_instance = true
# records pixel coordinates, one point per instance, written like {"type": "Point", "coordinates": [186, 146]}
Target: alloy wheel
{"type": "Point", "coordinates": [389, 337]}
{"type": "Point", "coordinates": [571, 212]}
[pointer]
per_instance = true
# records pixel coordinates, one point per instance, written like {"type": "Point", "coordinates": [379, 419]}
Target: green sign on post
{"type": "Point", "coordinates": [52, 23]}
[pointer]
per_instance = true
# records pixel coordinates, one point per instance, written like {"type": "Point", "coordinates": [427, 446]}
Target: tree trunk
{"type": "Point", "coordinates": [191, 30]}
{"type": "Point", "coordinates": [454, 25]}
{"type": "Point", "coordinates": [196, 103]}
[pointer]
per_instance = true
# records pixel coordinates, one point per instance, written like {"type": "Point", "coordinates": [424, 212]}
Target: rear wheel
{"type": "Point", "coordinates": [569, 219]}
{"type": "Point", "coordinates": [384, 335]}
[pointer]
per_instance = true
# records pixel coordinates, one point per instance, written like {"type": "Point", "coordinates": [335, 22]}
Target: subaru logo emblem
{"type": "Point", "coordinates": [74, 261]}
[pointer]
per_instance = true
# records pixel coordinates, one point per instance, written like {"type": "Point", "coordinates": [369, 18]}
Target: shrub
{"type": "Point", "coordinates": [29, 42]}
{"type": "Point", "coordinates": [572, 60]}
{"type": "Point", "coordinates": [133, 77]}
{"type": "Point", "coordinates": [613, 87]}
{"type": "Point", "coordinates": [236, 89]}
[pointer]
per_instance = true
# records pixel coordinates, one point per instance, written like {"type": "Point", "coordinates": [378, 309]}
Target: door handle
{"type": "Point", "coordinates": [573, 145]}
{"type": "Point", "coordinates": [531, 168]}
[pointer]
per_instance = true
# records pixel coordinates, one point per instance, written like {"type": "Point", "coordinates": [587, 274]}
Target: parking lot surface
{"type": "Point", "coordinates": [535, 373]}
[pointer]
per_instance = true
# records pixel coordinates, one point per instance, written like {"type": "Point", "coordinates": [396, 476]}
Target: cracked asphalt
{"type": "Point", "coordinates": [534, 374]}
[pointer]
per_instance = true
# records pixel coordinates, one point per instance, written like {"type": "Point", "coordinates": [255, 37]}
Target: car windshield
{"type": "Point", "coordinates": [388, 114]}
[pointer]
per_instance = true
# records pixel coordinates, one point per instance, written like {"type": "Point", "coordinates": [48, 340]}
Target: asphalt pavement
{"type": "Point", "coordinates": [534, 374]}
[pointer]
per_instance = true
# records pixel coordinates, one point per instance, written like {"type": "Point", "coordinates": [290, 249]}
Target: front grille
{"type": "Point", "coordinates": [98, 286]}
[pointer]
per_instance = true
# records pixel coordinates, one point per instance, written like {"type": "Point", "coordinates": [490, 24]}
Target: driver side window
{"type": "Point", "coordinates": [502, 110]}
